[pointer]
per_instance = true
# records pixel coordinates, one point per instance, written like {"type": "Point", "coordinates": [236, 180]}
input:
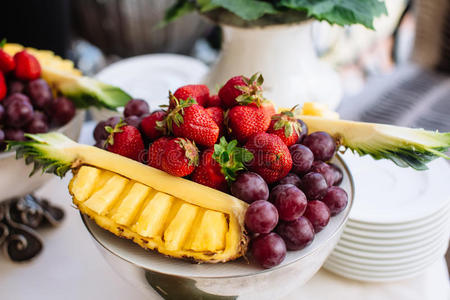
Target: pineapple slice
{"type": "Point", "coordinates": [158, 211]}
{"type": "Point", "coordinates": [65, 79]}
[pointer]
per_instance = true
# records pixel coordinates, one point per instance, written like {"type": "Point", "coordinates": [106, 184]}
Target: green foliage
{"type": "Point", "coordinates": [341, 12]}
{"type": "Point", "coordinates": [231, 158]}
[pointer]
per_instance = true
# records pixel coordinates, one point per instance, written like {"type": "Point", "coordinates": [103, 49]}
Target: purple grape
{"type": "Point", "coordinates": [304, 131]}
{"type": "Point", "coordinates": [62, 110]}
{"type": "Point", "coordinates": [321, 144]}
{"type": "Point", "coordinates": [291, 178]}
{"type": "Point", "coordinates": [336, 199]}
{"type": "Point", "coordinates": [136, 107]}
{"type": "Point", "coordinates": [261, 217]}
{"type": "Point", "coordinates": [296, 234]}
{"type": "Point", "coordinates": [16, 86]}
{"type": "Point", "coordinates": [314, 186]}
{"type": "Point", "coordinates": [338, 175]}
{"type": "Point", "coordinates": [2, 112]}
{"type": "Point", "coordinates": [100, 132]}
{"type": "Point", "coordinates": [302, 158]}
{"type": "Point", "coordinates": [133, 121]}
{"type": "Point", "coordinates": [38, 123]}
{"type": "Point", "coordinates": [250, 187]}
{"type": "Point", "coordinates": [2, 140]}
{"type": "Point", "coordinates": [18, 113]}
{"type": "Point", "coordinates": [40, 93]}
{"type": "Point", "coordinates": [318, 214]}
{"type": "Point", "coordinates": [324, 169]}
{"type": "Point", "coordinates": [100, 144]}
{"type": "Point", "coordinates": [289, 200]}
{"type": "Point", "coordinates": [16, 96]}
{"type": "Point", "coordinates": [12, 134]}
{"type": "Point", "coordinates": [269, 250]}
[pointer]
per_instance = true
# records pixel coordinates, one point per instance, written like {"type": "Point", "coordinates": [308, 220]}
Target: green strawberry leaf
{"type": "Point", "coordinates": [231, 158]}
{"type": "Point", "coordinates": [3, 43]}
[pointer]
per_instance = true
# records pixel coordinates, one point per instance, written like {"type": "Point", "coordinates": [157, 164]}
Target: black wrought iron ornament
{"type": "Point", "coordinates": [19, 218]}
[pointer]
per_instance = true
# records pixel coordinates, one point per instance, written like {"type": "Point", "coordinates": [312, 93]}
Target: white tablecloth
{"type": "Point", "coordinates": [71, 268]}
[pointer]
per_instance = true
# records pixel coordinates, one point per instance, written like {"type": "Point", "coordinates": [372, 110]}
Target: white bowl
{"type": "Point", "coordinates": [177, 279]}
{"type": "Point", "coordinates": [14, 174]}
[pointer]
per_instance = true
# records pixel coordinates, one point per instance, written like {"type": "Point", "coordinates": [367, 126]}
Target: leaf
{"type": "Point", "coordinates": [179, 9]}
{"type": "Point", "coordinates": [246, 9]}
{"type": "Point", "coordinates": [341, 12]}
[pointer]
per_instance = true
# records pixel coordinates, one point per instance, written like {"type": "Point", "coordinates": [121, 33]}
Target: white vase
{"type": "Point", "coordinates": [285, 55]}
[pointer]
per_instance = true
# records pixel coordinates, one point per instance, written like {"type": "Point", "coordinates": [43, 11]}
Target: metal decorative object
{"type": "Point", "coordinates": [19, 217]}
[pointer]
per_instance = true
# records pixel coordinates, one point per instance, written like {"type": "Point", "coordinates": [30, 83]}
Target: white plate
{"type": "Point", "coordinates": [423, 231]}
{"type": "Point", "coordinates": [151, 76]}
{"type": "Point", "coordinates": [443, 212]}
{"type": "Point", "coordinates": [388, 261]}
{"type": "Point", "coordinates": [386, 194]}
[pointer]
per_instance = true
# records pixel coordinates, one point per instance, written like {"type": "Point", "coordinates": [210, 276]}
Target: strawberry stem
{"type": "Point", "coordinates": [112, 131]}
{"type": "Point", "coordinates": [231, 158]}
{"type": "Point", "coordinates": [3, 43]}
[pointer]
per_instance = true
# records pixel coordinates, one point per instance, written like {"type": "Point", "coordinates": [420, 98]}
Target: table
{"type": "Point", "coordinates": [71, 268]}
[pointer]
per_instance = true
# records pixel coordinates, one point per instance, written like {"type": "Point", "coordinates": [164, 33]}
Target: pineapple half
{"type": "Point", "coordinates": [66, 80]}
{"type": "Point", "coordinates": [156, 210]}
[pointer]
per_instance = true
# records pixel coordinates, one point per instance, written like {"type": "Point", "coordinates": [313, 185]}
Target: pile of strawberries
{"type": "Point", "coordinates": [209, 138]}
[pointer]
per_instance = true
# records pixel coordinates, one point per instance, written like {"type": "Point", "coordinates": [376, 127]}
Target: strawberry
{"type": "Point", "coordinates": [221, 164]}
{"type": "Point", "coordinates": [125, 140]}
{"type": "Point", "coordinates": [149, 125]}
{"type": "Point", "coordinates": [27, 66]}
{"type": "Point", "coordinates": [214, 100]}
{"type": "Point", "coordinates": [285, 126]}
{"type": "Point", "coordinates": [217, 114]}
{"type": "Point", "coordinates": [198, 92]}
{"type": "Point", "coordinates": [180, 157]}
{"type": "Point", "coordinates": [2, 86]}
{"type": "Point", "coordinates": [269, 108]}
{"type": "Point", "coordinates": [156, 151]}
{"type": "Point", "coordinates": [7, 63]}
{"type": "Point", "coordinates": [272, 159]}
{"type": "Point", "coordinates": [244, 121]}
{"type": "Point", "coordinates": [190, 120]}
{"type": "Point", "coordinates": [242, 90]}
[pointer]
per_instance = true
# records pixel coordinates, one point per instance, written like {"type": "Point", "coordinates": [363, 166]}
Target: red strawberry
{"type": "Point", "coordinates": [244, 121]}
{"type": "Point", "coordinates": [272, 159]}
{"type": "Point", "coordinates": [125, 140]}
{"type": "Point", "coordinates": [7, 63]}
{"type": "Point", "coordinates": [149, 125]}
{"type": "Point", "coordinates": [191, 121]}
{"type": "Point", "coordinates": [198, 92]}
{"type": "Point", "coordinates": [2, 86]}
{"type": "Point", "coordinates": [217, 114]}
{"type": "Point", "coordinates": [180, 157]}
{"type": "Point", "coordinates": [242, 90]}
{"type": "Point", "coordinates": [221, 164]}
{"type": "Point", "coordinates": [156, 151]}
{"type": "Point", "coordinates": [27, 66]}
{"type": "Point", "coordinates": [214, 100]}
{"type": "Point", "coordinates": [285, 126]}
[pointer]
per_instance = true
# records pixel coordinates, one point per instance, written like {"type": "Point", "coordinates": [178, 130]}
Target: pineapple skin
{"type": "Point", "coordinates": [194, 246]}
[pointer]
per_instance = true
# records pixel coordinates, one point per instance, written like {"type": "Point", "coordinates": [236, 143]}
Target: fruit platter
{"type": "Point", "coordinates": [41, 92]}
{"type": "Point", "coordinates": [231, 194]}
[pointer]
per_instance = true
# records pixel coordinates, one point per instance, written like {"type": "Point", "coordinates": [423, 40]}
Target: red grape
{"type": "Point", "coordinates": [100, 144]}
{"type": "Point", "coordinates": [18, 113]}
{"type": "Point", "coordinates": [39, 92]}
{"type": "Point", "coordinates": [324, 169]}
{"type": "Point", "coordinates": [318, 214]}
{"type": "Point", "coordinates": [133, 121]}
{"type": "Point", "coordinates": [16, 96]}
{"type": "Point", "coordinates": [250, 187]}
{"type": "Point", "coordinates": [302, 158]}
{"type": "Point", "coordinates": [100, 132]}
{"type": "Point", "coordinates": [12, 134]}
{"type": "Point", "coordinates": [261, 217]}
{"type": "Point", "coordinates": [296, 234]}
{"type": "Point", "coordinates": [136, 107]}
{"type": "Point", "coordinates": [38, 123]}
{"type": "Point", "coordinates": [2, 140]}
{"type": "Point", "coordinates": [291, 178]}
{"type": "Point", "coordinates": [2, 112]}
{"type": "Point", "coordinates": [336, 199]}
{"type": "Point", "coordinates": [269, 250]}
{"type": "Point", "coordinates": [304, 131]}
{"type": "Point", "coordinates": [289, 201]}
{"type": "Point", "coordinates": [321, 144]}
{"type": "Point", "coordinates": [338, 175]}
{"type": "Point", "coordinates": [62, 110]}
{"type": "Point", "coordinates": [314, 186]}
{"type": "Point", "coordinates": [15, 86]}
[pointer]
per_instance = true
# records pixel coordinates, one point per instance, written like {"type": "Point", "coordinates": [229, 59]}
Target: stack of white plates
{"type": "Point", "coordinates": [399, 224]}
